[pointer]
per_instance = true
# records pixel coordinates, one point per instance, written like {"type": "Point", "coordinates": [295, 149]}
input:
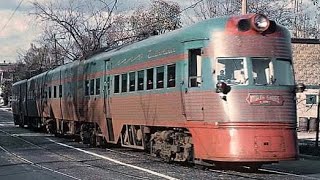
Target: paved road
{"type": "Point", "coordinates": [25, 154]}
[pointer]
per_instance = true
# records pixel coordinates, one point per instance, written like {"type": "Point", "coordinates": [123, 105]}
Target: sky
{"type": "Point", "coordinates": [19, 31]}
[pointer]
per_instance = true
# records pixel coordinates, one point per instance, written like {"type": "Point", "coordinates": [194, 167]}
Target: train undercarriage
{"type": "Point", "coordinates": [169, 144]}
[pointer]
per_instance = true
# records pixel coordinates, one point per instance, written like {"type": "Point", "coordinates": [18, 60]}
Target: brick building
{"type": "Point", "coordinates": [306, 61]}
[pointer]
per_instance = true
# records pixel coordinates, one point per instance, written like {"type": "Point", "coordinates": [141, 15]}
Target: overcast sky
{"type": "Point", "coordinates": [17, 32]}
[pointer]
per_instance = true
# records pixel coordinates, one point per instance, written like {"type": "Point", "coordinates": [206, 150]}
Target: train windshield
{"type": "Point", "coordinates": [266, 71]}
{"type": "Point", "coordinates": [256, 71]}
{"type": "Point", "coordinates": [232, 71]}
{"type": "Point", "coordinates": [262, 71]}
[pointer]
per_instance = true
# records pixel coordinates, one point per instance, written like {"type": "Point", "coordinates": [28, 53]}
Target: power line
{"type": "Point", "coordinates": [11, 16]}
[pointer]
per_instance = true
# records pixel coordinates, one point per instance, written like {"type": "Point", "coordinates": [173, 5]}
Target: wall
{"type": "Point", "coordinates": [306, 61]}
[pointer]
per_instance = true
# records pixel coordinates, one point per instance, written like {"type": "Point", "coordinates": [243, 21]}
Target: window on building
{"type": "Point", "coordinates": [195, 67]}
{"type": "Point", "coordinates": [54, 91]}
{"type": "Point", "coordinates": [140, 80]}
{"type": "Point", "coordinates": [86, 88]}
{"type": "Point", "coordinates": [116, 84]}
{"type": "Point", "coordinates": [60, 90]}
{"type": "Point", "coordinates": [171, 74]}
{"type": "Point", "coordinates": [311, 99]}
{"type": "Point", "coordinates": [160, 77]}
{"type": "Point", "coordinates": [92, 87]}
{"type": "Point", "coordinates": [124, 83]}
{"type": "Point", "coordinates": [132, 81]}
{"type": "Point", "coordinates": [150, 78]}
{"type": "Point", "coordinates": [97, 86]}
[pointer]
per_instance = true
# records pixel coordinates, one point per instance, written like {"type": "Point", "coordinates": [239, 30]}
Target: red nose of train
{"type": "Point", "coordinates": [257, 22]}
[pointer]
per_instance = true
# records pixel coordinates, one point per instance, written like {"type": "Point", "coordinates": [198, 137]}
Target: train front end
{"type": "Point", "coordinates": [254, 111]}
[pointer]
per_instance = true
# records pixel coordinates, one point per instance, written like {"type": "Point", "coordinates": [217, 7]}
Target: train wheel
{"type": "Point", "coordinates": [93, 139]}
{"type": "Point", "coordinates": [85, 134]}
{"type": "Point", "coordinates": [51, 127]}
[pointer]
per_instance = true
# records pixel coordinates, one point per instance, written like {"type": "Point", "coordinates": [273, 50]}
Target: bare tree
{"type": "Point", "coordinates": [215, 8]}
{"type": "Point", "coordinates": [79, 26]}
{"type": "Point", "coordinates": [294, 14]}
{"type": "Point", "coordinates": [161, 17]}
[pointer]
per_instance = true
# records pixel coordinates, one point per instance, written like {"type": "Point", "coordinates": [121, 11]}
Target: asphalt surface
{"type": "Point", "coordinates": [25, 154]}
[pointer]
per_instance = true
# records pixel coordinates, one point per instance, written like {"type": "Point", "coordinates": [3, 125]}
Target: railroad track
{"type": "Point", "coordinates": [260, 175]}
{"type": "Point", "coordinates": [84, 162]}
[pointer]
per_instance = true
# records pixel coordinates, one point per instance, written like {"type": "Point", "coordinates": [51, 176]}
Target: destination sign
{"type": "Point", "coordinates": [265, 100]}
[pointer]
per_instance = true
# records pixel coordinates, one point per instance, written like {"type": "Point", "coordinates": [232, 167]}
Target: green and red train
{"type": "Point", "coordinates": [218, 91]}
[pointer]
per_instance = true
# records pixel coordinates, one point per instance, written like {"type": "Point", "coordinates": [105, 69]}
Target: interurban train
{"type": "Point", "coordinates": [219, 91]}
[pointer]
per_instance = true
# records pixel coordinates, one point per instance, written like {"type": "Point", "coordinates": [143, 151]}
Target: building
{"type": "Point", "coordinates": [306, 61]}
{"type": "Point", "coordinates": [5, 75]}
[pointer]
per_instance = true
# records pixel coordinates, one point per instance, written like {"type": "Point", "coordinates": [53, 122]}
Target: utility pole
{"type": "Point", "coordinates": [317, 121]}
{"type": "Point", "coordinates": [244, 7]}
{"type": "Point", "coordinates": [55, 49]}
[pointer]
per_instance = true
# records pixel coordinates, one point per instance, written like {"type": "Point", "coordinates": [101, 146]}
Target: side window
{"type": "Point", "coordinates": [92, 87]}
{"type": "Point", "coordinates": [124, 78]}
{"type": "Point", "coordinates": [97, 86]}
{"type": "Point", "coordinates": [150, 78]}
{"type": "Point", "coordinates": [132, 81]}
{"type": "Point", "coordinates": [160, 77]}
{"type": "Point", "coordinates": [171, 75]}
{"type": "Point", "coordinates": [86, 88]}
{"type": "Point", "coordinates": [60, 90]}
{"type": "Point", "coordinates": [116, 84]}
{"type": "Point", "coordinates": [140, 80]}
{"type": "Point", "coordinates": [195, 67]}
{"type": "Point", "coordinates": [54, 91]}
{"type": "Point", "coordinates": [49, 92]}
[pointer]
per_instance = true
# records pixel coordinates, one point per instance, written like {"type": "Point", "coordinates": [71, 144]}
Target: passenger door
{"type": "Point", "coordinates": [194, 80]}
{"type": "Point", "coordinates": [106, 98]}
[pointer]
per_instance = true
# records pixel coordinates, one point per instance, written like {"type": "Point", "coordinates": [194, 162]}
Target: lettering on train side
{"type": "Point", "coordinates": [156, 53]}
{"type": "Point", "coordinates": [130, 59]}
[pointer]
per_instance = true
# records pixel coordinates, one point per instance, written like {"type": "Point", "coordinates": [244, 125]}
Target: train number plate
{"type": "Point", "coordinates": [265, 100]}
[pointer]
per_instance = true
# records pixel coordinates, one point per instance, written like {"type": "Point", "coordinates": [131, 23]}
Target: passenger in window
{"type": "Point", "coordinates": [171, 81]}
{"type": "Point", "coordinates": [150, 84]}
{"type": "Point", "coordinates": [221, 76]}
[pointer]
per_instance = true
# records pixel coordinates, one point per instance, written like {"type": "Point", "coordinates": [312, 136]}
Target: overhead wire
{"type": "Point", "coordinates": [5, 25]}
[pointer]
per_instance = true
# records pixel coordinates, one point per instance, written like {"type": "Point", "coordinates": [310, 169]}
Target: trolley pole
{"type": "Point", "coordinates": [317, 121]}
{"type": "Point", "coordinates": [244, 7]}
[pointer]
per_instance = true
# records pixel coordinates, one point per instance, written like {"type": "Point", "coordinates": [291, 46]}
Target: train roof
{"type": "Point", "coordinates": [197, 31]}
{"type": "Point", "coordinates": [20, 82]}
{"type": "Point", "coordinates": [200, 30]}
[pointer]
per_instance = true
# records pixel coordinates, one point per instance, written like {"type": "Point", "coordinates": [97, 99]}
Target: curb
{"type": "Point", "coordinates": [305, 156]}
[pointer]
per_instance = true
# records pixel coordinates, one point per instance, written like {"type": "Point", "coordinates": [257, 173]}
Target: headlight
{"type": "Point", "coordinates": [260, 22]}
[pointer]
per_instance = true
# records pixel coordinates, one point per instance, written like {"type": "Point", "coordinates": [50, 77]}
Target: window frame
{"type": "Point", "coordinates": [158, 85]}
{"type": "Point", "coordinates": [117, 83]}
{"type": "Point", "coordinates": [124, 85]}
{"type": "Point", "coordinates": [97, 86]}
{"type": "Point", "coordinates": [168, 75]}
{"type": "Point", "coordinates": [143, 80]}
{"type": "Point", "coordinates": [134, 81]}
{"type": "Point", "coordinates": [151, 87]}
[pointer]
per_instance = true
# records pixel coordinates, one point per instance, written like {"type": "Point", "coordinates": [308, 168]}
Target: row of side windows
{"type": "Point", "coordinates": [92, 87]}
{"type": "Point", "coordinates": [147, 79]}
{"type": "Point", "coordinates": [55, 91]}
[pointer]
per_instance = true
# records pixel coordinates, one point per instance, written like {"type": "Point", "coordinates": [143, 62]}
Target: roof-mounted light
{"type": "Point", "coordinates": [260, 22]}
